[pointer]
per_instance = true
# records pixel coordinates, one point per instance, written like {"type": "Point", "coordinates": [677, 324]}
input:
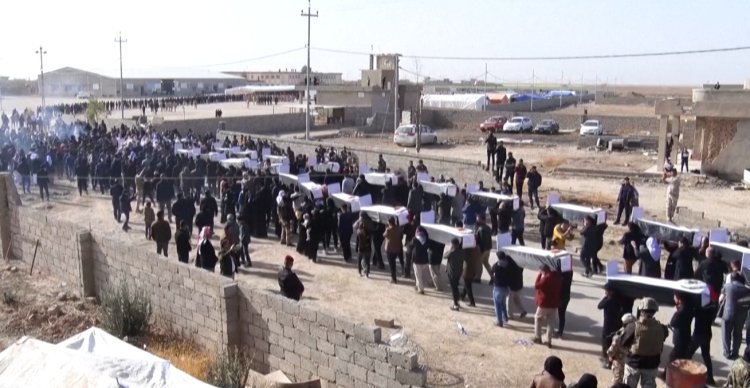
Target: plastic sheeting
{"type": "Point", "coordinates": [92, 358]}
{"type": "Point", "coordinates": [455, 101]}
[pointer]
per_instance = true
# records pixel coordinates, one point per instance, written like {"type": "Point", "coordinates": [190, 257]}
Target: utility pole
{"type": "Point", "coordinates": [309, 16]}
{"type": "Point", "coordinates": [395, 93]}
{"type": "Point", "coordinates": [596, 82]}
{"type": "Point", "coordinates": [120, 41]}
{"type": "Point", "coordinates": [41, 52]}
{"type": "Point", "coordinates": [562, 85]}
{"type": "Point", "coordinates": [532, 89]}
{"type": "Point", "coordinates": [484, 107]}
{"type": "Point", "coordinates": [580, 96]}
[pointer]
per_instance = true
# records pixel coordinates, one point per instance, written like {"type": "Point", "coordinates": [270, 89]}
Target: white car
{"type": "Point", "coordinates": [592, 127]}
{"type": "Point", "coordinates": [518, 124]}
{"type": "Point", "coordinates": [406, 135]}
{"type": "Point", "coordinates": [83, 95]}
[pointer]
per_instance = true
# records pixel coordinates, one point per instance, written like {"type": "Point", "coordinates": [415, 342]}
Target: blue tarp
{"type": "Point", "coordinates": [527, 97]}
{"type": "Point", "coordinates": [558, 93]}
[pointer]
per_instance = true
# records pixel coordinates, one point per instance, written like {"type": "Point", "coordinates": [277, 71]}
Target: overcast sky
{"type": "Point", "coordinates": [191, 33]}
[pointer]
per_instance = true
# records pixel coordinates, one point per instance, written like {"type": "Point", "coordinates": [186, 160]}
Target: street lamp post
{"type": "Point", "coordinates": [122, 91]}
{"type": "Point", "coordinates": [309, 15]}
{"type": "Point", "coordinates": [41, 53]}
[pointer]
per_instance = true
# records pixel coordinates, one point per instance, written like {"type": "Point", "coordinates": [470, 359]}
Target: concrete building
{"type": "Point", "coordinates": [374, 91]}
{"type": "Point", "coordinates": [722, 129]}
{"type": "Point", "coordinates": [288, 77]}
{"type": "Point", "coordinates": [69, 81]}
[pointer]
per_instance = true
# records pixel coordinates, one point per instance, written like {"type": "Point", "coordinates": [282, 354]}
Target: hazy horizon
{"type": "Point", "coordinates": [220, 36]}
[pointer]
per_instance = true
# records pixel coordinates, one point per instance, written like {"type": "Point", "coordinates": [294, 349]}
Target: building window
{"type": "Point", "coordinates": [200, 85]}
{"type": "Point", "coordinates": [129, 86]}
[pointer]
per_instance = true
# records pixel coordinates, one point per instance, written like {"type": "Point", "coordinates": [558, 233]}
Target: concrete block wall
{"type": "Point", "coordinates": [60, 244]}
{"type": "Point", "coordinates": [189, 300]}
{"type": "Point", "coordinates": [304, 341]}
{"type": "Point", "coordinates": [281, 123]}
{"type": "Point", "coordinates": [301, 339]}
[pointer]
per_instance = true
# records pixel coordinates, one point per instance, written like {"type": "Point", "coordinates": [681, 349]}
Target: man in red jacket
{"type": "Point", "coordinates": [548, 285]}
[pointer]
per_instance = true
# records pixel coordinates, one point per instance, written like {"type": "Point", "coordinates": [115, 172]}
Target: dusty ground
{"type": "Point", "coordinates": [487, 356]}
{"type": "Point", "coordinates": [229, 109]}
{"type": "Point", "coordinates": [40, 307]}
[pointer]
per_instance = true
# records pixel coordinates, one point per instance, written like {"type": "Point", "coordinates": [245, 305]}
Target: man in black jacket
{"type": "Point", "coordinates": [184, 211]}
{"type": "Point", "coordinates": [345, 229]}
{"type": "Point", "coordinates": [502, 277]}
{"type": "Point", "coordinates": [164, 195]}
{"type": "Point", "coordinates": [500, 157]}
{"type": "Point", "coordinates": [534, 181]}
{"type": "Point", "coordinates": [491, 142]}
{"type": "Point", "coordinates": [289, 284]}
{"type": "Point", "coordinates": [484, 243]}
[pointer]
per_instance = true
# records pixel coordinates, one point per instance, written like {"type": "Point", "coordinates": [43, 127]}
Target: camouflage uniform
{"type": "Point", "coordinates": [616, 354]}
{"type": "Point", "coordinates": [739, 376]}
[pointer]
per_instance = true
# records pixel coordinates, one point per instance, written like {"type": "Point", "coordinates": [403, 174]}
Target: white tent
{"type": "Point", "coordinates": [455, 101]}
{"type": "Point", "coordinates": [92, 358]}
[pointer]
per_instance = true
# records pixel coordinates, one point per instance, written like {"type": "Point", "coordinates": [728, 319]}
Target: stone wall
{"type": "Point", "coordinates": [301, 339]}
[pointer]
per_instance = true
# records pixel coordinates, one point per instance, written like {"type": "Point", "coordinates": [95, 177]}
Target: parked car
{"type": "Point", "coordinates": [547, 126]}
{"type": "Point", "coordinates": [494, 124]}
{"type": "Point", "coordinates": [592, 127]}
{"type": "Point", "coordinates": [518, 124]}
{"type": "Point", "coordinates": [83, 95]}
{"type": "Point", "coordinates": [406, 135]}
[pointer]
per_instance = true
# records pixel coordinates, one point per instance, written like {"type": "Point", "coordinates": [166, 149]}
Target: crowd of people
{"type": "Point", "coordinates": [175, 188]}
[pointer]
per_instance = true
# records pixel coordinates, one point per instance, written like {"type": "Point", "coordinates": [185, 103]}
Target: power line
{"type": "Point", "coordinates": [277, 54]}
{"type": "Point", "coordinates": [551, 58]}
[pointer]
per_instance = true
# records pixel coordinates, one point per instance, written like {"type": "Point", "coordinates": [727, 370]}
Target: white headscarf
{"type": "Point", "coordinates": [654, 248]}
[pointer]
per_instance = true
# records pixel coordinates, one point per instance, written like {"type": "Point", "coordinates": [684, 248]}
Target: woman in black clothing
{"type": "Point", "coordinates": [612, 309]}
{"type": "Point", "coordinates": [631, 241]}
{"type": "Point", "coordinates": [302, 234]}
{"type": "Point", "coordinates": [562, 309]}
{"type": "Point", "coordinates": [206, 254]}
{"type": "Point", "coordinates": [228, 258]}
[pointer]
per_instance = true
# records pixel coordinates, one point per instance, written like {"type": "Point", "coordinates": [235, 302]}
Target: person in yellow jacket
{"type": "Point", "coordinates": [561, 234]}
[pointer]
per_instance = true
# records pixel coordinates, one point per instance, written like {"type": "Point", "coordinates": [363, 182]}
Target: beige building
{"type": "Point", "coordinates": [722, 129]}
{"type": "Point", "coordinates": [288, 77]}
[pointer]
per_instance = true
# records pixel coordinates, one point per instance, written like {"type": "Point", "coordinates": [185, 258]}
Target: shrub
{"type": "Point", "coordinates": [127, 311]}
{"type": "Point", "coordinates": [10, 298]}
{"type": "Point", "coordinates": [229, 369]}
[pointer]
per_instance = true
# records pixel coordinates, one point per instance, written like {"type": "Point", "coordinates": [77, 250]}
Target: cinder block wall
{"type": "Point", "coordinates": [58, 244]}
{"type": "Point", "coordinates": [304, 341]}
{"type": "Point", "coordinates": [187, 299]}
{"type": "Point", "coordinates": [280, 123]}
{"type": "Point", "coordinates": [301, 339]}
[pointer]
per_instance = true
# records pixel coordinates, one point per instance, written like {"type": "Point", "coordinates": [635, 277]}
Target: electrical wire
{"type": "Point", "coordinates": [278, 54]}
{"type": "Point", "coordinates": [551, 58]}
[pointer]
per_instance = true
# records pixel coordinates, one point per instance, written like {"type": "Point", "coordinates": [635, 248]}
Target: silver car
{"type": "Point", "coordinates": [406, 135]}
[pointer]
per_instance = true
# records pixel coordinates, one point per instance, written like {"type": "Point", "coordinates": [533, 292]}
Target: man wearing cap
{"type": "Point", "coordinates": [289, 284]}
{"type": "Point", "coordinates": [644, 340]}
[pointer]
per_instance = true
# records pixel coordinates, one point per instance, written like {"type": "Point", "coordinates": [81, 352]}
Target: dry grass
{"type": "Point", "coordinates": [553, 162]}
{"type": "Point", "coordinates": [183, 354]}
